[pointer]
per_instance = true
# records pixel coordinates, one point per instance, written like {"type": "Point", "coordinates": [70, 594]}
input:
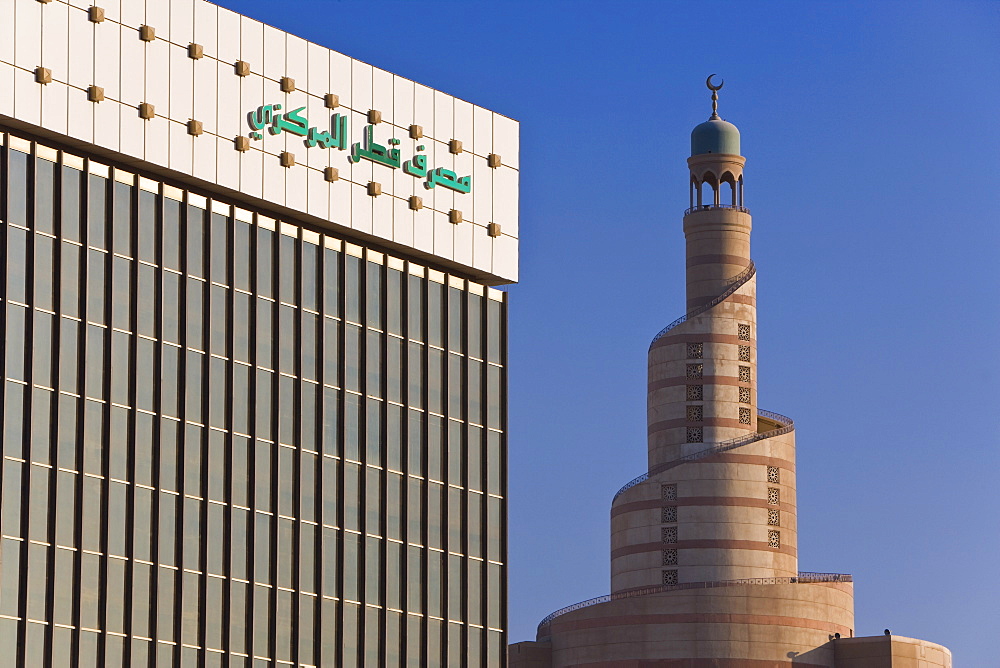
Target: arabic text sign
{"type": "Point", "coordinates": [293, 122]}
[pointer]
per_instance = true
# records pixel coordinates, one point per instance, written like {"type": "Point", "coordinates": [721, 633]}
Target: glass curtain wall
{"type": "Point", "coordinates": [232, 441]}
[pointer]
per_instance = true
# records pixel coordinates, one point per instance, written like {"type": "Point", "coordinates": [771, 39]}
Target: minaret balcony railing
{"type": "Point", "coordinates": [802, 578]}
{"type": "Point", "coordinates": [708, 207]}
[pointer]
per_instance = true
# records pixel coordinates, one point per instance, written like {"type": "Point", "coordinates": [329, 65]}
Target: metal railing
{"type": "Point", "coordinates": [803, 577]}
{"type": "Point", "coordinates": [786, 423]}
{"type": "Point", "coordinates": [735, 283]}
{"type": "Point", "coordinates": [709, 207]}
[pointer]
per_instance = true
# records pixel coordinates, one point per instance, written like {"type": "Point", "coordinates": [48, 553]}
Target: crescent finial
{"type": "Point", "coordinates": [708, 82]}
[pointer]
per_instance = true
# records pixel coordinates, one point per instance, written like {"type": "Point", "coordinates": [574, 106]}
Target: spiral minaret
{"type": "Point", "coordinates": [704, 570]}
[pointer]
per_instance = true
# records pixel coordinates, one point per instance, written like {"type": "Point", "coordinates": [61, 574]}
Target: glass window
{"type": "Point", "coordinates": [330, 573]}
{"type": "Point", "coordinates": [194, 314]}
{"type": "Point", "coordinates": [146, 301]}
{"type": "Point", "coordinates": [114, 595]}
{"type": "Point", "coordinates": [71, 187]}
{"type": "Point", "coordinates": [263, 406]}
{"type": "Point", "coordinates": [66, 503]}
{"type": "Point", "coordinates": [95, 286]}
{"type": "Point", "coordinates": [331, 422]}
{"type": "Point", "coordinates": [264, 262]}
{"type": "Point", "coordinates": [17, 264]}
{"type": "Point", "coordinates": [92, 513]}
{"type": "Point", "coordinates": [117, 493]}
{"type": "Point", "coordinates": [13, 429]}
{"type": "Point", "coordinates": [44, 273]}
{"type": "Point", "coordinates": [193, 371]}
{"type": "Point", "coordinates": [142, 536]}
{"type": "Point", "coordinates": [263, 472]}
{"type": "Point", "coordinates": [373, 293]}
{"type": "Point", "coordinates": [352, 355]}
{"type": "Point", "coordinates": [264, 336]}
{"type": "Point", "coordinates": [307, 344]}
{"type": "Point", "coordinates": [330, 490]}
{"type": "Point", "coordinates": [171, 234]}
{"type": "Point", "coordinates": [69, 283]}
{"type": "Point", "coordinates": [17, 188]}
{"type": "Point", "coordinates": [415, 444]}
{"type": "Point", "coordinates": [97, 197]}
{"type": "Point", "coordinates": [353, 288]}
{"type": "Point", "coordinates": [456, 340]}
{"type": "Point", "coordinates": [41, 425]}
{"type": "Point", "coordinates": [331, 352]}
{"type": "Point", "coordinates": [237, 616]}
{"type": "Point", "coordinates": [220, 249]}
{"type": "Point", "coordinates": [42, 349]}
{"type": "Point", "coordinates": [45, 174]}
{"type": "Point", "coordinates": [352, 427]}
{"type": "Point", "coordinates": [456, 388]}
{"type": "Point", "coordinates": [435, 314]}
{"type": "Point", "coordinates": [146, 226]}
{"type": "Point", "coordinates": [165, 627]}
{"type": "Point", "coordinates": [262, 547]}
{"type": "Point", "coordinates": [171, 307]}
{"type": "Point", "coordinates": [495, 331]}
{"type": "Point", "coordinates": [474, 386]}
{"type": "Point", "coordinates": [195, 241]}
{"type": "Point", "coordinates": [415, 308]}
{"type": "Point", "coordinates": [121, 222]}
{"type": "Point", "coordinates": [307, 411]}
{"type": "Point", "coordinates": [288, 339]}
{"type": "Point", "coordinates": [287, 268]}
{"type": "Point", "coordinates": [373, 501]}
{"type": "Point", "coordinates": [331, 282]}
{"type": "Point", "coordinates": [240, 544]}
{"type": "Point", "coordinates": [120, 367]}
{"type": "Point", "coordinates": [373, 367]}
{"type": "Point", "coordinates": [310, 276]}
{"type": "Point", "coordinates": [394, 369]}
{"type": "Point", "coordinates": [352, 501]}
{"type": "Point", "coordinates": [241, 255]}
{"type": "Point", "coordinates": [169, 438]}
{"type": "Point", "coordinates": [216, 465]}
{"type": "Point", "coordinates": [240, 471]}
{"type": "Point", "coordinates": [215, 543]}
{"type": "Point", "coordinates": [241, 326]}
{"type": "Point", "coordinates": [307, 486]}
{"type": "Point", "coordinates": [435, 381]}
{"type": "Point", "coordinates": [69, 358]}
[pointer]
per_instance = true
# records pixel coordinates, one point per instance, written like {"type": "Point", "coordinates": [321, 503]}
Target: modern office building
{"type": "Point", "coordinates": [254, 369]}
{"type": "Point", "coordinates": [704, 566]}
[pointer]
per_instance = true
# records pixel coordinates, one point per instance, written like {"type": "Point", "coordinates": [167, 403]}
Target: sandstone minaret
{"type": "Point", "coordinates": [704, 567]}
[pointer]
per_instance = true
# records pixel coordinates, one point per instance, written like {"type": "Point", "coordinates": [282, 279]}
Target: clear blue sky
{"type": "Point", "coordinates": [872, 144]}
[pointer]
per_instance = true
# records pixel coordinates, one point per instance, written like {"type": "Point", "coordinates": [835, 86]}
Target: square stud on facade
{"type": "Point", "coordinates": [242, 68]}
{"type": "Point", "coordinates": [374, 188]}
{"type": "Point", "coordinates": [374, 116]}
{"type": "Point", "coordinates": [416, 131]}
{"type": "Point", "coordinates": [44, 2]}
{"type": "Point", "coordinates": [455, 146]}
{"type": "Point", "coordinates": [241, 144]}
{"type": "Point", "coordinates": [416, 203]}
{"type": "Point", "coordinates": [43, 75]}
{"type": "Point", "coordinates": [146, 111]}
{"type": "Point", "coordinates": [331, 174]}
{"type": "Point", "coordinates": [95, 14]}
{"type": "Point", "coordinates": [95, 93]}
{"type": "Point", "coordinates": [195, 128]}
{"type": "Point", "coordinates": [331, 100]}
{"type": "Point", "coordinates": [196, 51]}
{"type": "Point", "coordinates": [455, 216]}
{"type": "Point", "coordinates": [287, 159]}
{"type": "Point", "coordinates": [493, 160]}
{"type": "Point", "coordinates": [147, 33]}
{"type": "Point", "coordinates": [493, 229]}
{"type": "Point", "coordinates": [287, 85]}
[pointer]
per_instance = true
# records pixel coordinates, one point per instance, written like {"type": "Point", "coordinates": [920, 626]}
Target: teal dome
{"type": "Point", "coordinates": [715, 136]}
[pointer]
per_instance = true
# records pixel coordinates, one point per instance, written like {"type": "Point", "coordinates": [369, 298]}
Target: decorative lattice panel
{"type": "Point", "coordinates": [774, 539]}
{"type": "Point", "coordinates": [668, 514]}
{"type": "Point", "coordinates": [773, 496]}
{"type": "Point", "coordinates": [744, 374]}
{"type": "Point", "coordinates": [668, 534]}
{"type": "Point", "coordinates": [772, 474]}
{"type": "Point", "coordinates": [774, 517]}
{"type": "Point", "coordinates": [745, 395]}
{"type": "Point", "coordinates": [668, 492]}
{"type": "Point", "coordinates": [670, 557]}
{"type": "Point", "coordinates": [695, 413]}
{"type": "Point", "coordinates": [695, 370]}
{"type": "Point", "coordinates": [670, 577]}
{"type": "Point", "coordinates": [744, 331]}
{"type": "Point", "coordinates": [696, 351]}
{"type": "Point", "coordinates": [695, 435]}
{"type": "Point", "coordinates": [695, 392]}
{"type": "Point", "coordinates": [744, 353]}
{"type": "Point", "coordinates": [745, 416]}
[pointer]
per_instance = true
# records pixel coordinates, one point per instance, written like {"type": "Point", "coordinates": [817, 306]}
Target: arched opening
{"type": "Point", "coordinates": [694, 192]}
{"type": "Point", "coordinates": [708, 191]}
{"type": "Point", "coordinates": [739, 192]}
{"type": "Point", "coordinates": [728, 179]}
